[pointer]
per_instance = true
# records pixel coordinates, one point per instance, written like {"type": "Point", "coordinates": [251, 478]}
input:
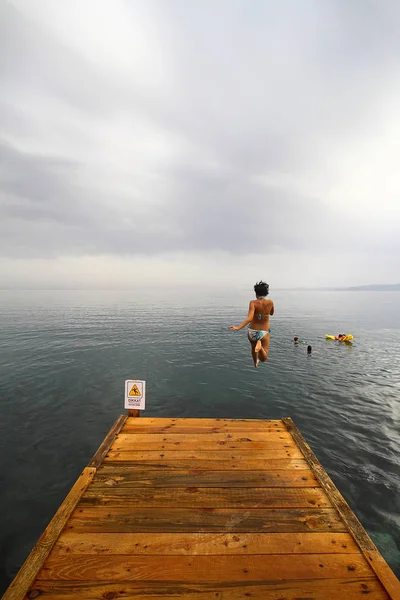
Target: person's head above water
{"type": "Point", "coordinates": [261, 289]}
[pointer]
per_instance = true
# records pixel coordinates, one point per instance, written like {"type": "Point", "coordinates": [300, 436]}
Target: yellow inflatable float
{"type": "Point", "coordinates": [340, 337]}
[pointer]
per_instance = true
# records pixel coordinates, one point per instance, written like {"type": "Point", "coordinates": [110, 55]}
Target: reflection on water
{"type": "Point", "coordinates": [65, 355]}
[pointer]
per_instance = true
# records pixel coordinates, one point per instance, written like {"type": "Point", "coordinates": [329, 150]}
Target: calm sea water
{"type": "Point", "coordinates": [65, 355]}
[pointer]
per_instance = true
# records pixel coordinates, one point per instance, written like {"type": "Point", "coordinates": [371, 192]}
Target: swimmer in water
{"type": "Point", "coordinates": [260, 310]}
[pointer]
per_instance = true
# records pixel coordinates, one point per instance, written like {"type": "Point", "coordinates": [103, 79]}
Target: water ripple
{"type": "Point", "coordinates": [64, 357]}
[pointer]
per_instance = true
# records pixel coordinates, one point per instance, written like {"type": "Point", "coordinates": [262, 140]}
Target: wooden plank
{"type": "Point", "coordinates": [227, 497]}
{"type": "Point", "coordinates": [107, 442]}
{"type": "Point", "coordinates": [204, 568]}
{"type": "Point", "coordinates": [368, 548]}
{"type": "Point", "coordinates": [204, 438]}
{"type": "Point", "coordinates": [29, 570]}
{"type": "Point", "coordinates": [148, 461]}
{"type": "Point", "coordinates": [384, 573]}
{"type": "Point", "coordinates": [130, 441]}
{"type": "Point", "coordinates": [164, 422]}
{"type": "Point", "coordinates": [175, 478]}
{"type": "Point", "coordinates": [195, 460]}
{"type": "Point", "coordinates": [351, 588]}
{"type": "Point", "coordinates": [204, 543]}
{"type": "Point", "coordinates": [222, 453]}
{"type": "Point", "coordinates": [191, 446]}
{"type": "Point", "coordinates": [315, 589]}
{"type": "Point", "coordinates": [222, 436]}
{"type": "Point", "coordinates": [169, 520]}
{"type": "Point", "coordinates": [257, 450]}
{"type": "Point", "coordinates": [178, 428]}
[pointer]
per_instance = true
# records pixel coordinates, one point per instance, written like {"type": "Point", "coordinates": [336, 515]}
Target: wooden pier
{"type": "Point", "coordinates": [204, 509]}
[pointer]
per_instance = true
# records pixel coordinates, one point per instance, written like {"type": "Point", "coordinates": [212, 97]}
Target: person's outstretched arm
{"type": "Point", "coordinates": [246, 321]}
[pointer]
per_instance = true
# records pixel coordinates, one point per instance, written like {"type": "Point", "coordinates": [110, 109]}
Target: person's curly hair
{"type": "Point", "coordinates": [261, 288]}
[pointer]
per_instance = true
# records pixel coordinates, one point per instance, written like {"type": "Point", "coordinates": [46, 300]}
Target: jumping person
{"type": "Point", "coordinates": [260, 310]}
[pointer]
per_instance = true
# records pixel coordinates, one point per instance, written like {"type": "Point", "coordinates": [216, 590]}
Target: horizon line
{"type": "Point", "coordinates": [366, 287]}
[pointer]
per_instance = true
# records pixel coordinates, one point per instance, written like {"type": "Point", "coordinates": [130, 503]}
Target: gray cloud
{"type": "Point", "coordinates": [224, 133]}
{"type": "Point", "coordinates": [45, 212]}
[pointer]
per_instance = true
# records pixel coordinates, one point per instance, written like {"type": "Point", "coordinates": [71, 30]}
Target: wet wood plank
{"type": "Point", "coordinates": [206, 420]}
{"type": "Point", "coordinates": [266, 448]}
{"type": "Point", "coordinates": [351, 588]}
{"type": "Point", "coordinates": [204, 568]}
{"type": "Point", "coordinates": [205, 543]}
{"type": "Point", "coordinates": [147, 520]}
{"type": "Point", "coordinates": [111, 476]}
{"type": "Point", "coordinates": [133, 445]}
{"type": "Point", "coordinates": [200, 429]}
{"type": "Point", "coordinates": [196, 497]}
{"type": "Point", "coordinates": [206, 461]}
{"type": "Point", "coordinates": [151, 425]}
{"type": "Point", "coordinates": [219, 453]}
{"type": "Point", "coordinates": [184, 441]}
{"type": "Point", "coordinates": [127, 441]}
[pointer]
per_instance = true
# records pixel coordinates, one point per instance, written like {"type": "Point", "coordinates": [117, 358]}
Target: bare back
{"type": "Point", "coordinates": [263, 309]}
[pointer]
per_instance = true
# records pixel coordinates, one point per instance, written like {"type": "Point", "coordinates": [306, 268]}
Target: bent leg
{"type": "Point", "coordinates": [254, 354]}
{"type": "Point", "coordinates": [265, 347]}
{"type": "Point", "coordinates": [262, 355]}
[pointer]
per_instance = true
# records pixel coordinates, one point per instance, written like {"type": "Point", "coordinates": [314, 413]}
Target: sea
{"type": "Point", "coordinates": [65, 354]}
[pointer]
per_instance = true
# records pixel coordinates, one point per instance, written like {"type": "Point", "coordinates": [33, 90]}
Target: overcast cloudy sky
{"type": "Point", "coordinates": [199, 140]}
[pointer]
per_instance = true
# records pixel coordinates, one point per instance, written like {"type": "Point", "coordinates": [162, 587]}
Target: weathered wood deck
{"type": "Point", "coordinates": [204, 508]}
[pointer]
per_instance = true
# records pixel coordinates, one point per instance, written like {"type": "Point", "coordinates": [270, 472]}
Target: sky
{"type": "Point", "coordinates": [186, 142]}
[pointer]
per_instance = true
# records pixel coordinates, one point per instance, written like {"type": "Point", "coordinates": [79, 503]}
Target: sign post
{"type": "Point", "coordinates": [135, 395]}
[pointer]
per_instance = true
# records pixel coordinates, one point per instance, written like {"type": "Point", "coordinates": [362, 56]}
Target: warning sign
{"type": "Point", "coordinates": [135, 392]}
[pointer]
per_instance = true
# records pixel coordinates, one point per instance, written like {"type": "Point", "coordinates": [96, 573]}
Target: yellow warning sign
{"type": "Point", "coordinates": [135, 391]}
